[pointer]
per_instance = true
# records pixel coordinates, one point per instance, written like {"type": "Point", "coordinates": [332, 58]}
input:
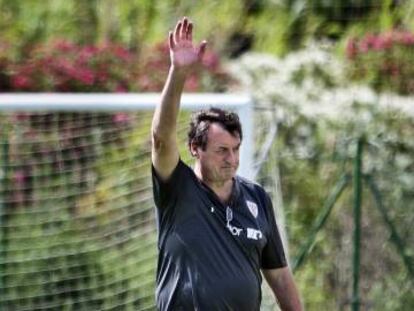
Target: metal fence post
{"type": "Point", "coordinates": [357, 183]}
{"type": "Point", "coordinates": [4, 157]}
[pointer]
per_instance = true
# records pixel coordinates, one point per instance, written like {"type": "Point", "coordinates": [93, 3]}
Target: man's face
{"type": "Point", "coordinates": [220, 159]}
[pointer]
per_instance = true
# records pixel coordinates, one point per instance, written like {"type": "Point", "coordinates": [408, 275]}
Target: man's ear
{"type": "Point", "coordinates": [193, 150]}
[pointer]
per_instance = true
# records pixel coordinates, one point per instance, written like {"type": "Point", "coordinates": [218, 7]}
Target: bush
{"type": "Point", "coordinates": [75, 232]}
{"type": "Point", "coordinates": [384, 61]}
{"type": "Point", "coordinates": [62, 66]}
{"type": "Point", "coordinates": [319, 117]}
{"type": "Point", "coordinates": [64, 272]}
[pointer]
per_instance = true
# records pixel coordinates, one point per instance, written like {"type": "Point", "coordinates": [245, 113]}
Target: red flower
{"type": "Point", "coordinates": [85, 76]}
{"type": "Point", "coordinates": [210, 60]}
{"type": "Point", "coordinates": [21, 82]}
{"type": "Point", "coordinates": [390, 71]}
{"type": "Point", "coordinates": [122, 53]}
{"type": "Point", "coordinates": [406, 38]}
{"type": "Point", "coordinates": [382, 43]}
{"type": "Point", "coordinates": [63, 66]}
{"type": "Point", "coordinates": [120, 88]}
{"type": "Point", "coordinates": [63, 45]}
{"type": "Point", "coordinates": [121, 118]}
{"type": "Point", "coordinates": [19, 178]}
{"type": "Point", "coordinates": [21, 116]}
{"type": "Point", "coordinates": [86, 54]}
{"type": "Point", "coordinates": [192, 83]}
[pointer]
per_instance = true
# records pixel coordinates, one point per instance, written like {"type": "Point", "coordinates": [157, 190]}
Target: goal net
{"type": "Point", "coordinates": [77, 228]}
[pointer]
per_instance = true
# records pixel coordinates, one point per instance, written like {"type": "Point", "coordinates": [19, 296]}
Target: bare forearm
{"type": "Point", "coordinates": [165, 116]}
{"type": "Point", "coordinates": [288, 297]}
{"type": "Point", "coordinates": [283, 286]}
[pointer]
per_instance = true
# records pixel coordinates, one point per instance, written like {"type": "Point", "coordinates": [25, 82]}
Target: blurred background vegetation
{"type": "Point", "coordinates": [324, 72]}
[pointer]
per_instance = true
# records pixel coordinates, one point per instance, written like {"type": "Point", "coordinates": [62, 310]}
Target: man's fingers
{"type": "Point", "coordinates": [189, 33]}
{"type": "Point", "coordinates": [177, 32]}
{"type": "Point", "coordinates": [171, 40]}
{"type": "Point", "coordinates": [183, 33]}
{"type": "Point", "coordinates": [202, 49]}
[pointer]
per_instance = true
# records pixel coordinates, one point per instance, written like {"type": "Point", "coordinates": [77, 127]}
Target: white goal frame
{"type": "Point", "coordinates": [100, 102]}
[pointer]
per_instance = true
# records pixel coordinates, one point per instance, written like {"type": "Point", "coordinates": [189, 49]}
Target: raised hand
{"type": "Point", "coordinates": [184, 55]}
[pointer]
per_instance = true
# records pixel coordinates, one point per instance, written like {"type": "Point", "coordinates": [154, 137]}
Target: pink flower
{"type": "Point", "coordinates": [387, 40]}
{"type": "Point", "coordinates": [382, 43]}
{"type": "Point", "coordinates": [395, 71]}
{"type": "Point", "coordinates": [64, 45]}
{"type": "Point", "coordinates": [21, 82]}
{"type": "Point", "coordinates": [63, 65]}
{"type": "Point", "coordinates": [120, 88]}
{"type": "Point", "coordinates": [121, 118]}
{"type": "Point", "coordinates": [366, 43]}
{"type": "Point", "coordinates": [21, 116]}
{"type": "Point", "coordinates": [86, 76]}
{"type": "Point", "coordinates": [122, 53]}
{"type": "Point", "coordinates": [407, 38]}
{"type": "Point", "coordinates": [146, 83]}
{"type": "Point", "coordinates": [19, 178]}
{"type": "Point", "coordinates": [192, 83]}
{"type": "Point", "coordinates": [86, 54]}
{"type": "Point", "coordinates": [102, 76]}
{"type": "Point", "coordinates": [210, 60]}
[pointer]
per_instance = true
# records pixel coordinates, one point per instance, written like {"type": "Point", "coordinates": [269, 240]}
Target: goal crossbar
{"type": "Point", "coordinates": [102, 102]}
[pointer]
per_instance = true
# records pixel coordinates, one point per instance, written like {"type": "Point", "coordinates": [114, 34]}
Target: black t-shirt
{"type": "Point", "coordinates": [210, 255]}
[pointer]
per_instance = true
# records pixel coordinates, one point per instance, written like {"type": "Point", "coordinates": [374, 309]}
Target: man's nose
{"type": "Point", "coordinates": [232, 157]}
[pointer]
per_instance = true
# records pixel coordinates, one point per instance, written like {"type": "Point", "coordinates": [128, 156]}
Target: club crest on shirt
{"type": "Point", "coordinates": [252, 208]}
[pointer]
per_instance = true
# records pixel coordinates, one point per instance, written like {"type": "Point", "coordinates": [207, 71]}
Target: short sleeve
{"type": "Point", "coordinates": [273, 255]}
{"type": "Point", "coordinates": [165, 192]}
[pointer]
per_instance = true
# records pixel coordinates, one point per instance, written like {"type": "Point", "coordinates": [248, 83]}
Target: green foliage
{"type": "Point", "coordinates": [400, 289]}
{"type": "Point", "coordinates": [79, 236]}
{"type": "Point", "coordinates": [43, 271]}
{"type": "Point", "coordinates": [319, 117]}
{"type": "Point", "coordinates": [272, 26]}
{"type": "Point", "coordinates": [74, 231]}
{"type": "Point", "coordinates": [72, 271]}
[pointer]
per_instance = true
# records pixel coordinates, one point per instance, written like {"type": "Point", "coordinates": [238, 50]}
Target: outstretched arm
{"type": "Point", "coordinates": [184, 58]}
{"type": "Point", "coordinates": [283, 286]}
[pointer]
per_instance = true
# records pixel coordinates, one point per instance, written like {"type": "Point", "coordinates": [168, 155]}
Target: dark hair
{"type": "Point", "coordinates": [201, 120]}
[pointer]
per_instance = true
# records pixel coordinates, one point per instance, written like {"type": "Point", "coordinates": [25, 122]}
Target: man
{"type": "Point", "coordinates": [217, 231]}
